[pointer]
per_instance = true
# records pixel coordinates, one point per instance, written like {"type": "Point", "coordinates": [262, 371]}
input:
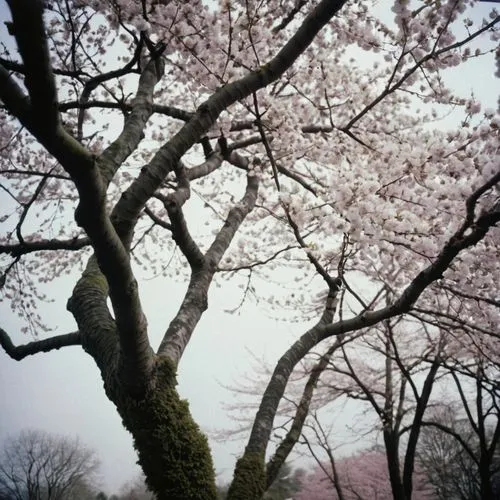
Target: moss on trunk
{"type": "Point", "coordinates": [249, 481]}
{"type": "Point", "coordinates": [173, 452]}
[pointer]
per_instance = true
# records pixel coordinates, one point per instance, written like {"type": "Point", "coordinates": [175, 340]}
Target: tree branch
{"type": "Point", "coordinates": [19, 68]}
{"type": "Point", "coordinates": [133, 129]}
{"type": "Point", "coordinates": [161, 109]}
{"type": "Point", "coordinates": [434, 54]}
{"type": "Point", "coordinates": [94, 82]}
{"type": "Point", "coordinates": [450, 432]}
{"type": "Point", "coordinates": [91, 213]}
{"type": "Point", "coordinates": [157, 220]}
{"type": "Point", "coordinates": [26, 247]}
{"type": "Point", "coordinates": [180, 233]}
{"type": "Point", "coordinates": [194, 304]}
{"type": "Point", "coordinates": [478, 298]}
{"type": "Point", "coordinates": [264, 419]}
{"type": "Point", "coordinates": [22, 351]}
{"type": "Point", "coordinates": [295, 431]}
{"type": "Point", "coordinates": [213, 162]}
{"type": "Point", "coordinates": [11, 94]}
{"type": "Point", "coordinates": [27, 17]}
{"type": "Point", "coordinates": [100, 337]}
{"type": "Point", "coordinates": [165, 160]}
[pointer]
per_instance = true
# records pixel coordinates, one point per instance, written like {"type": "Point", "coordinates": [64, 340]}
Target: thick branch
{"type": "Point", "coordinates": [411, 447]}
{"type": "Point", "coordinates": [133, 130]}
{"type": "Point", "coordinates": [213, 162]}
{"type": "Point", "coordinates": [182, 236]}
{"type": "Point", "coordinates": [27, 17]}
{"type": "Point", "coordinates": [11, 94]}
{"type": "Point", "coordinates": [180, 233]}
{"type": "Point", "coordinates": [22, 351]}
{"type": "Point", "coordinates": [112, 255]}
{"type": "Point", "coordinates": [91, 213]}
{"type": "Point", "coordinates": [98, 328]}
{"type": "Point", "coordinates": [136, 360]}
{"type": "Point", "coordinates": [295, 431]}
{"type": "Point", "coordinates": [233, 221]}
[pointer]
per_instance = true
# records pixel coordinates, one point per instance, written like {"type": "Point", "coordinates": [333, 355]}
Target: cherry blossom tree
{"type": "Point", "coordinates": [121, 114]}
{"type": "Point", "coordinates": [397, 372]}
{"type": "Point", "coordinates": [364, 475]}
{"type": "Point", "coordinates": [390, 371]}
{"type": "Point", "coordinates": [393, 369]}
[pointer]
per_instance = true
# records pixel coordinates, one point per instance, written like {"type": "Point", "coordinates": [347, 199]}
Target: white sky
{"type": "Point", "coordinates": [62, 391]}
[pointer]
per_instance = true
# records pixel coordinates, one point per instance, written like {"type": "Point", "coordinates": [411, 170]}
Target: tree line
{"type": "Point", "coordinates": [37, 465]}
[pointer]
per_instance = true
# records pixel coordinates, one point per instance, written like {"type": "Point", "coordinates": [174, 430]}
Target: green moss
{"type": "Point", "coordinates": [249, 481]}
{"type": "Point", "coordinates": [173, 452]}
{"type": "Point", "coordinates": [93, 278]}
{"type": "Point", "coordinates": [96, 280]}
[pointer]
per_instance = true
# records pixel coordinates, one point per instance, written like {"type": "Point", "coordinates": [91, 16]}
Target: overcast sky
{"type": "Point", "coordinates": [62, 391]}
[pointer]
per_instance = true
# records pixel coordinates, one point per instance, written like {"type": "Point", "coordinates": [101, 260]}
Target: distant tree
{"type": "Point", "coordinates": [136, 490]}
{"type": "Point", "coordinates": [81, 490]}
{"type": "Point", "coordinates": [36, 465]}
{"type": "Point", "coordinates": [392, 368]}
{"type": "Point", "coordinates": [446, 463]}
{"type": "Point", "coordinates": [364, 475]}
{"type": "Point", "coordinates": [452, 455]}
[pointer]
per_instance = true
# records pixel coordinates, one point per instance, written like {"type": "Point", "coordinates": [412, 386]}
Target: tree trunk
{"type": "Point", "coordinates": [249, 482]}
{"type": "Point", "coordinates": [392, 452]}
{"type": "Point", "coordinates": [485, 477]}
{"type": "Point", "coordinates": [173, 452]}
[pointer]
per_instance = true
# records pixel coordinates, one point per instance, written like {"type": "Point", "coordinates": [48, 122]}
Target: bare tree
{"type": "Point", "coordinates": [136, 490]}
{"type": "Point", "coordinates": [40, 466]}
{"type": "Point", "coordinates": [446, 462]}
{"type": "Point", "coordinates": [460, 447]}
